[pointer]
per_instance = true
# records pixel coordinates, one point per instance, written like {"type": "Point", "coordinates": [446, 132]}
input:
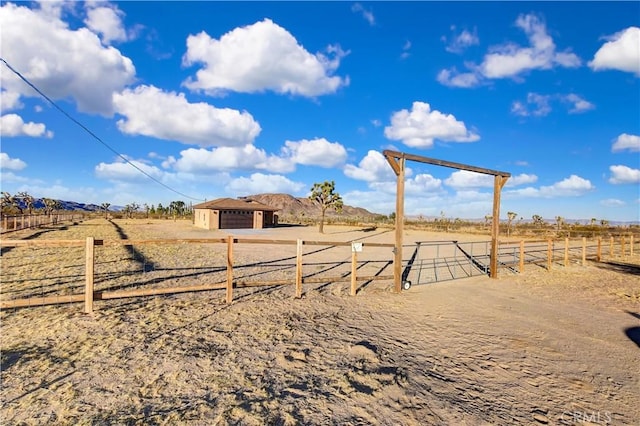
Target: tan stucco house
{"type": "Point", "coordinates": [231, 213]}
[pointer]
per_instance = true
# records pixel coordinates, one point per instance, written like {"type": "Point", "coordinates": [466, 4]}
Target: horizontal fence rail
{"type": "Point", "coordinates": [84, 271]}
{"type": "Point", "coordinates": [32, 221]}
{"type": "Point", "coordinates": [114, 269]}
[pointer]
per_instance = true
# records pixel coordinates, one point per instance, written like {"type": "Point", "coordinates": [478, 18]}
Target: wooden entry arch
{"type": "Point", "coordinates": [397, 162]}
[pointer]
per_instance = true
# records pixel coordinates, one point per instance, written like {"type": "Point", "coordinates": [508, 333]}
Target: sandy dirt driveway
{"type": "Point", "coordinates": [558, 347]}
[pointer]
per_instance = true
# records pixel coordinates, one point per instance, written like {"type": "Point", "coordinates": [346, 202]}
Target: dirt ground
{"type": "Point", "coordinates": [541, 347]}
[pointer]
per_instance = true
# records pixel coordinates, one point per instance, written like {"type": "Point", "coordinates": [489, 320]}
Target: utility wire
{"type": "Point", "coordinates": [66, 114]}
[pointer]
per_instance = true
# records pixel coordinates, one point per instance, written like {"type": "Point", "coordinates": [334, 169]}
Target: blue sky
{"type": "Point", "coordinates": [226, 99]}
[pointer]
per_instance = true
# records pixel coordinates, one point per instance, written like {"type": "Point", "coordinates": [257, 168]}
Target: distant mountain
{"type": "Point", "coordinates": [65, 205]}
{"type": "Point", "coordinates": [297, 206]}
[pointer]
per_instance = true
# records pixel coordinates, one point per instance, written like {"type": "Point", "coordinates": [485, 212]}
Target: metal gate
{"type": "Point", "coordinates": [434, 261]}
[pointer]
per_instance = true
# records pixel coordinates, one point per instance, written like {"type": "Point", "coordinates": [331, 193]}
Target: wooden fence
{"type": "Point", "coordinates": [550, 252]}
{"type": "Point", "coordinates": [30, 221]}
{"type": "Point", "coordinates": [511, 255]}
{"type": "Point", "coordinates": [90, 294]}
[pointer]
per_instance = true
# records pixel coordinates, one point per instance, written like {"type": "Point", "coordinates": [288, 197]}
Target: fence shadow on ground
{"type": "Point", "coordinates": [626, 268]}
{"type": "Point", "coordinates": [35, 235]}
{"type": "Point", "coordinates": [137, 256]}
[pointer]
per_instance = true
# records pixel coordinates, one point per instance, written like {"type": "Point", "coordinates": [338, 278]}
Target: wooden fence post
{"type": "Point", "coordinates": [631, 245]}
{"type": "Point", "coordinates": [354, 267]}
{"type": "Point", "coordinates": [599, 255]}
{"type": "Point", "coordinates": [89, 269]}
{"type": "Point", "coordinates": [611, 247]}
{"type": "Point", "coordinates": [622, 247]}
{"type": "Point", "coordinates": [566, 252]}
{"type": "Point", "coordinates": [299, 269]}
{"type": "Point", "coordinates": [521, 266]}
{"type": "Point", "coordinates": [229, 269]}
{"type": "Point", "coordinates": [549, 255]}
{"type": "Point", "coordinates": [584, 251]}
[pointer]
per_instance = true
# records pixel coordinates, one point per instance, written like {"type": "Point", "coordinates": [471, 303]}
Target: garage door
{"type": "Point", "coordinates": [236, 219]}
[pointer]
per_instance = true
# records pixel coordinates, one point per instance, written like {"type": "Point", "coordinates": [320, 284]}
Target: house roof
{"type": "Point", "coordinates": [234, 204]}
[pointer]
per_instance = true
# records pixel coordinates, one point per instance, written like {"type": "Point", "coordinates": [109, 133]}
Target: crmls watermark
{"type": "Point", "coordinates": [597, 417]}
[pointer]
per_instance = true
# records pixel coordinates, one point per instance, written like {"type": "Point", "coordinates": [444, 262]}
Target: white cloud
{"type": "Point", "coordinates": [316, 152]}
{"type": "Point", "coordinates": [366, 14]}
{"type": "Point", "coordinates": [261, 183]}
{"type": "Point", "coordinates": [8, 163]}
{"type": "Point", "coordinates": [376, 202]}
{"type": "Point", "coordinates": [406, 50]}
{"type": "Point", "coordinates": [459, 42]}
{"type": "Point", "coordinates": [540, 104]}
{"type": "Point", "coordinates": [620, 52]}
{"type": "Point", "coordinates": [168, 115]}
{"type": "Point", "coordinates": [106, 21]}
{"type": "Point", "coordinates": [54, 9]}
{"type": "Point", "coordinates": [579, 104]}
{"type": "Point", "coordinates": [623, 175]}
{"type": "Point", "coordinates": [260, 57]}
{"type": "Point", "coordinates": [509, 60]}
{"type": "Point", "coordinates": [453, 78]}
{"type": "Point", "coordinates": [9, 100]}
{"type": "Point", "coordinates": [63, 63]}
{"type": "Point", "coordinates": [468, 179]}
{"type": "Point", "coordinates": [521, 179]}
{"type": "Point", "coordinates": [422, 183]}
{"type": "Point", "coordinates": [12, 125]}
{"type": "Point", "coordinates": [58, 191]}
{"type": "Point", "coordinates": [419, 127]}
{"type": "Point", "coordinates": [9, 177]}
{"type": "Point", "coordinates": [519, 108]}
{"type": "Point", "coordinates": [374, 167]}
{"type": "Point", "coordinates": [247, 157]}
{"type": "Point", "coordinates": [612, 202]}
{"type": "Point", "coordinates": [626, 141]}
{"type": "Point", "coordinates": [573, 186]}
{"type": "Point", "coordinates": [123, 171]}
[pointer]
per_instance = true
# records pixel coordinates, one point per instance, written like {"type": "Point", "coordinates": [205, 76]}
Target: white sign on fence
{"type": "Point", "coordinates": [356, 247]}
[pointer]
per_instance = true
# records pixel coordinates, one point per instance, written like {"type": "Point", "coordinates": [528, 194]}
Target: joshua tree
{"type": "Point", "coordinates": [487, 219]}
{"type": "Point", "coordinates": [510, 217]}
{"type": "Point", "coordinates": [16, 201]}
{"type": "Point", "coordinates": [105, 207]}
{"type": "Point", "coordinates": [129, 209]}
{"type": "Point", "coordinates": [604, 222]}
{"type": "Point", "coordinates": [559, 222]}
{"type": "Point", "coordinates": [27, 199]}
{"type": "Point", "coordinates": [325, 196]}
{"type": "Point", "coordinates": [50, 205]}
{"type": "Point", "coordinates": [537, 220]}
{"type": "Point", "coordinates": [7, 201]}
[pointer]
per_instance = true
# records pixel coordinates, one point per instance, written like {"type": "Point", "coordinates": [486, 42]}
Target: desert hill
{"type": "Point", "coordinates": [299, 206]}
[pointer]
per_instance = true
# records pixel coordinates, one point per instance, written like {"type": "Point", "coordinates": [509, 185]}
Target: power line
{"type": "Point", "coordinates": [96, 137]}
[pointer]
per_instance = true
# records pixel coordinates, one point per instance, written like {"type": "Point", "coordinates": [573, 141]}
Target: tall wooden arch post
{"type": "Point", "coordinates": [397, 161]}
